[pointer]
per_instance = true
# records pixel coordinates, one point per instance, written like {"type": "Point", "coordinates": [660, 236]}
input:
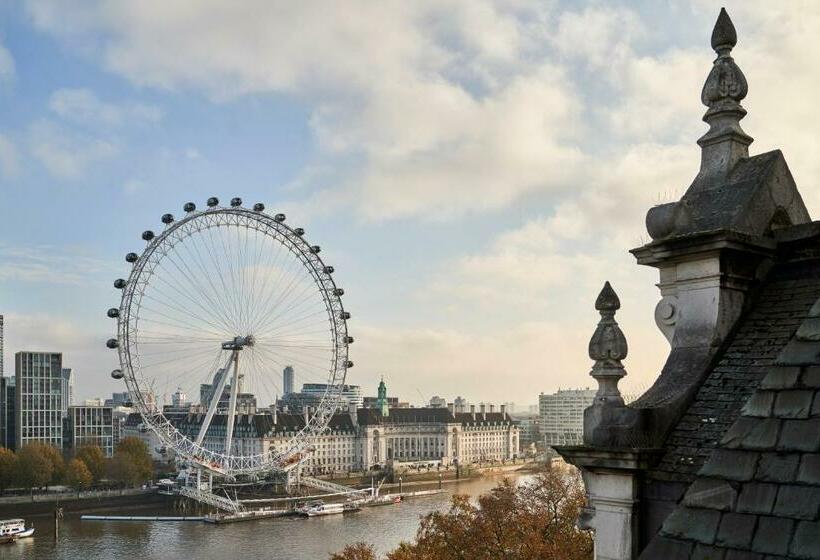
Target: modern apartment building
{"type": "Point", "coordinates": [39, 398]}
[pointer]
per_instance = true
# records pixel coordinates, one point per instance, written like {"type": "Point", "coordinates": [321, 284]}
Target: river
{"type": "Point", "coordinates": [275, 539]}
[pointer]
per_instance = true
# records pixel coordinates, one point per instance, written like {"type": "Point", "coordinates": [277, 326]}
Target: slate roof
{"type": "Point", "coordinates": [372, 416]}
{"type": "Point", "coordinates": [755, 474]}
{"type": "Point", "coordinates": [783, 303]}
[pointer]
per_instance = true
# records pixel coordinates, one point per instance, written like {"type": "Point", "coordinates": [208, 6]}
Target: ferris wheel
{"type": "Point", "coordinates": [216, 306]}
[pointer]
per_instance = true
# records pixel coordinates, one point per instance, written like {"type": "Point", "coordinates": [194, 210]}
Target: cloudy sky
{"type": "Point", "coordinates": [473, 169]}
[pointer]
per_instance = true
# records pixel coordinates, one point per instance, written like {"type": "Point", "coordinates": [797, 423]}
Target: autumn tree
{"type": "Point", "coordinates": [131, 463]}
{"type": "Point", "coordinates": [534, 519]}
{"type": "Point", "coordinates": [357, 551]}
{"type": "Point", "coordinates": [55, 457]}
{"type": "Point", "coordinates": [94, 459]}
{"type": "Point", "coordinates": [34, 466]}
{"type": "Point", "coordinates": [8, 468]}
{"type": "Point", "coordinates": [77, 475]}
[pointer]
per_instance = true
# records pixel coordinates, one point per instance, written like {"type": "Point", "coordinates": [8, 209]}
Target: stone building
{"type": "Point", "coordinates": [720, 458]}
{"type": "Point", "coordinates": [358, 440]}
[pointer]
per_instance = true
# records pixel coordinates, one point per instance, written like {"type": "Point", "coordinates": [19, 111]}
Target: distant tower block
{"type": "Point", "coordinates": [287, 380]}
{"type": "Point", "coordinates": [2, 371]}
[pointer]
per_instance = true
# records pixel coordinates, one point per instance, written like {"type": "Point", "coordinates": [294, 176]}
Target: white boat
{"type": "Point", "coordinates": [14, 528]}
{"type": "Point", "coordinates": [324, 509]}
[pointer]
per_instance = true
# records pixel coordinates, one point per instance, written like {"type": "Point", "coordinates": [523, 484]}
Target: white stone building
{"type": "Point", "coordinates": [562, 415]}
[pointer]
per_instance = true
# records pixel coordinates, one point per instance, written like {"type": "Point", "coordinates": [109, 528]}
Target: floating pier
{"type": "Point", "coordinates": [140, 518]}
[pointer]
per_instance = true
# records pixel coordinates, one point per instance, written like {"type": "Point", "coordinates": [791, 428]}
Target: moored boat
{"type": "Point", "coordinates": [13, 529]}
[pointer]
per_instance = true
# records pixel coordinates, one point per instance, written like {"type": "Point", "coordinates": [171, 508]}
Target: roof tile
{"type": "Point", "coordinates": [793, 404]}
{"type": "Point", "coordinates": [809, 470]}
{"type": "Point", "coordinates": [736, 530]}
{"type": "Point", "coordinates": [777, 467]}
{"type": "Point", "coordinates": [731, 465]}
{"type": "Point", "coordinates": [780, 378]}
{"type": "Point", "coordinates": [711, 493]}
{"type": "Point", "coordinates": [811, 377]}
{"type": "Point", "coordinates": [759, 404]}
{"type": "Point", "coordinates": [668, 549]}
{"type": "Point", "coordinates": [773, 535]}
{"type": "Point", "coordinates": [742, 555]}
{"type": "Point", "coordinates": [800, 435]}
{"type": "Point", "coordinates": [806, 542]}
{"type": "Point", "coordinates": [757, 498]}
{"type": "Point", "coordinates": [798, 502]}
{"type": "Point", "coordinates": [694, 524]}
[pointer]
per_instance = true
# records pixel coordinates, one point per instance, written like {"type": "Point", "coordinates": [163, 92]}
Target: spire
{"type": "Point", "coordinates": [608, 347]}
{"type": "Point", "coordinates": [725, 142]}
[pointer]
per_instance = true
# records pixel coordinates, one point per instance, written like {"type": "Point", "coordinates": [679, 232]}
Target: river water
{"type": "Point", "coordinates": [272, 539]}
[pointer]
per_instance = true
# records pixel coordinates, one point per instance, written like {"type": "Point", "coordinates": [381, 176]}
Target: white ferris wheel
{"type": "Point", "coordinates": [216, 306]}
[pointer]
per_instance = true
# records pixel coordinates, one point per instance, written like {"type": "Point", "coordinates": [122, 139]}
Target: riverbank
{"type": "Point", "coordinates": [93, 502]}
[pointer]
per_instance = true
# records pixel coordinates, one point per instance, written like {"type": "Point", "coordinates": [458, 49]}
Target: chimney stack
{"type": "Point", "coordinates": [503, 411]}
{"type": "Point", "coordinates": [472, 411]}
{"type": "Point", "coordinates": [274, 414]}
{"type": "Point", "coordinates": [483, 412]}
{"type": "Point", "coordinates": [354, 413]}
{"type": "Point", "coordinates": [452, 408]}
{"type": "Point", "coordinates": [306, 411]}
{"type": "Point", "coordinates": [492, 408]}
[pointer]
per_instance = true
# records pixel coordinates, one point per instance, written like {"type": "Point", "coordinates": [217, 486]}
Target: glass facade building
{"type": "Point", "coordinates": [39, 398]}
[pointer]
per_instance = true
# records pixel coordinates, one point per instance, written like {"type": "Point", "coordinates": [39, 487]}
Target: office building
{"type": "Point", "coordinates": [67, 393]}
{"type": "Point", "coordinates": [90, 425]}
{"type": "Point", "coordinates": [562, 415]}
{"type": "Point", "coordinates": [39, 398]}
{"type": "Point", "coordinates": [287, 380]}
{"type": "Point", "coordinates": [438, 402]}
{"type": "Point", "coordinates": [8, 408]}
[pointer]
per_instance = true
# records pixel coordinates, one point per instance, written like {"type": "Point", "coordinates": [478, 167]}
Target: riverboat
{"type": "Point", "coordinates": [13, 529]}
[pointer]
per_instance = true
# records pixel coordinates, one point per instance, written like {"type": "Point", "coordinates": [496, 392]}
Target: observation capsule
{"type": "Point", "coordinates": [328, 270]}
{"type": "Point", "coordinates": [112, 343]}
{"type": "Point", "coordinates": [349, 339]}
{"type": "Point", "coordinates": [167, 219]}
{"type": "Point", "coordinates": [213, 201]}
{"type": "Point", "coordinates": [258, 207]}
{"type": "Point", "coordinates": [113, 313]}
{"type": "Point", "coordinates": [189, 207]}
{"type": "Point", "coordinates": [147, 235]}
{"type": "Point", "coordinates": [344, 315]}
{"type": "Point", "coordinates": [349, 364]}
{"type": "Point", "coordinates": [236, 201]}
{"type": "Point", "coordinates": [315, 249]}
{"type": "Point", "coordinates": [117, 374]}
{"type": "Point", "coordinates": [299, 231]}
{"type": "Point", "coordinates": [119, 283]}
{"type": "Point", "coordinates": [338, 292]}
{"type": "Point", "coordinates": [279, 217]}
{"type": "Point", "coordinates": [131, 257]}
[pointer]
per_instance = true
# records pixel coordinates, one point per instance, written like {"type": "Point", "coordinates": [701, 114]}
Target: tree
{"type": "Point", "coordinates": [94, 459]}
{"type": "Point", "coordinates": [34, 466]}
{"type": "Point", "coordinates": [131, 463]}
{"type": "Point", "coordinates": [57, 463]}
{"type": "Point", "coordinates": [516, 522]}
{"type": "Point", "coordinates": [8, 468]}
{"type": "Point", "coordinates": [77, 475]}
{"type": "Point", "coordinates": [357, 551]}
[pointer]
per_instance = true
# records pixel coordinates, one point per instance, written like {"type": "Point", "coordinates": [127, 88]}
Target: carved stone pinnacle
{"type": "Point", "coordinates": [608, 347]}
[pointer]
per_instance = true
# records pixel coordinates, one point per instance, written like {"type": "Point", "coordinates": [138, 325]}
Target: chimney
{"type": "Point", "coordinates": [452, 408]}
{"type": "Point", "coordinates": [306, 411]}
{"type": "Point", "coordinates": [492, 408]}
{"type": "Point", "coordinates": [472, 411]}
{"type": "Point", "coordinates": [503, 411]}
{"type": "Point", "coordinates": [483, 412]}
{"type": "Point", "coordinates": [274, 414]}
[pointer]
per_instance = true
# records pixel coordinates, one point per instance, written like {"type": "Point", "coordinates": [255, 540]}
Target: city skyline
{"type": "Point", "coordinates": [452, 269]}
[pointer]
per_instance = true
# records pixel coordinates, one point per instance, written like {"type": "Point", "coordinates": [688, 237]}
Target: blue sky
{"type": "Point", "coordinates": [474, 170]}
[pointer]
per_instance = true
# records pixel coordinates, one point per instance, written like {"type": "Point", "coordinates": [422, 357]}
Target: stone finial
{"type": "Point", "coordinates": [608, 347]}
{"type": "Point", "coordinates": [725, 142]}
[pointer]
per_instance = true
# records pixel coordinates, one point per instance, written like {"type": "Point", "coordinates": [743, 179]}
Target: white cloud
{"type": "Point", "coordinates": [7, 67]}
{"type": "Point", "coordinates": [83, 106]}
{"type": "Point", "coordinates": [51, 265]}
{"type": "Point", "coordinates": [9, 158]}
{"type": "Point", "coordinates": [67, 154]}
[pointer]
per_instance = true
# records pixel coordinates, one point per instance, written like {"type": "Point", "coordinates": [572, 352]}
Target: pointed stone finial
{"type": "Point", "coordinates": [725, 142]}
{"type": "Point", "coordinates": [608, 347]}
{"type": "Point", "coordinates": [724, 34]}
